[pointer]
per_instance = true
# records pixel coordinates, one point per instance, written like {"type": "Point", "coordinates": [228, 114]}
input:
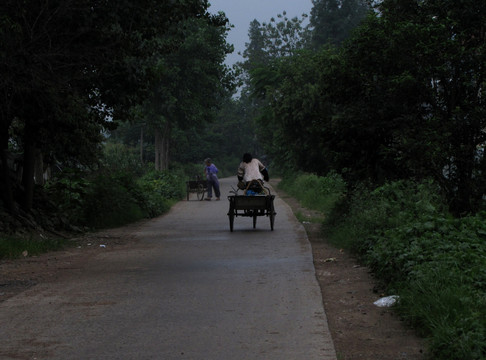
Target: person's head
{"type": "Point", "coordinates": [247, 158]}
{"type": "Point", "coordinates": [207, 161]}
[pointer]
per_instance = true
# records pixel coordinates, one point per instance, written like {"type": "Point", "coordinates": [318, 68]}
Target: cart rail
{"type": "Point", "coordinates": [251, 206]}
{"type": "Point", "coordinates": [196, 186]}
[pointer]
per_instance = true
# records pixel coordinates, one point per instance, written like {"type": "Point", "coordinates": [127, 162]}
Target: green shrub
{"type": "Point", "coordinates": [435, 263]}
{"type": "Point", "coordinates": [448, 307]}
{"type": "Point", "coordinates": [120, 157]}
{"type": "Point", "coordinates": [113, 199]}
{"type": "Point", "coordinates": [316, 192]}
{"type": "Point", "coordinates": [67, 190]}
{"type": "Point", "coordinates": [13, 247]}
{"type": "Point", "coordinates": [364, 214]}
{"type": "Point", "coordinates": [160, 190]}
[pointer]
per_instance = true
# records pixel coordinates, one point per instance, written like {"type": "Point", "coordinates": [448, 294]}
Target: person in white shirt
{"type": "Point", "coordinates": [251, 169]}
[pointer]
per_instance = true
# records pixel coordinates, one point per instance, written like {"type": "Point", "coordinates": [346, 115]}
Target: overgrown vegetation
{"type": "Point", "coordinates": [434, 262]}
{"type": "Point", "coordinates": [118, 192]}
{"type": "Point", "coordinates": [106, 63]}
{"type": "Point", "coordinates": [13, 247]}
{"type": "Point", "coordinates": [401, 98]}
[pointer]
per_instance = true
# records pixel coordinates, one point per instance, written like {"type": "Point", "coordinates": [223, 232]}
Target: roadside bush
{"type": "Point", "coordinates": [13, 247]}
{"type": "Point", "coordinates": [120, 157]}
{"type": "Point", "coordinates": [446, 309]}
{"type": "Point", "coordinates": [434, 262]}
{"type": "Point", "coordinates": [404, 233]}
{"type": "Point", "coordinates": [316, 192]}
{"type": "Point", "coordinates": [363, 214]}
{"type": "Point", "coordinates": [161, 189]}
{"type": "Point", "coordinates": [112, 199]}
{"type": "Point", "coordinates": [67, 190]}
{"type": "Point", "coordinates": [109, 198]}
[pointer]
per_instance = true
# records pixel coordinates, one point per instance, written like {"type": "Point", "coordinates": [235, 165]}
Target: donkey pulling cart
{"type": "Point", "coordinates": [255, 201]}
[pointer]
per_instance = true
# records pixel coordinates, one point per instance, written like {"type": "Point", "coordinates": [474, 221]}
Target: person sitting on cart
{"type": "Point", "coordinates": [251, 174]}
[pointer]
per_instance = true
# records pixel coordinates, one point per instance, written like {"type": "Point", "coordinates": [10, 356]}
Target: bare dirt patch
{"type": "Point", "coordinates": [17, 275]}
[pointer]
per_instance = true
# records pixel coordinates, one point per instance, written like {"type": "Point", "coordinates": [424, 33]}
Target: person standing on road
{"type": "Point", "coordinates": [210, 170]}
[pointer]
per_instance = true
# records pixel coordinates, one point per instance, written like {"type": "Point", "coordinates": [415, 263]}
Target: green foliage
{"type": "Point", "coordinates": [297, 121]}
{"type": "Point", "coordinates": [332, 21]}
{"type": "Point", "coordinates": [119, 157]}
{"type": "Point", "coordinates": [115, 195]}
{"type": "Point", "coordinates": [364, 213]}
{"type": "Point", "coordinates": [283, 36]}
{"type": "Point", "coordinates": [14, 247]}
{"type": "Point", "coordinates": [400, 99]}
{"type": "Point", "coordinates": [111, 200]}
{"type": "Point", "coordinates": [438, 267]}
{"type": "Point", "coordinates": [179, 99]}
{"type": "Point", "coordinates": [161, 188]}
{"type": "Point", "coordinates": [101, 59]}
{"type": "Point", "coordinates": [224, 140]}
{"type": "Point", "coordinates": [443, 306]}
{"type": "Point", "coordinates": [277, 38]}
{"type": "Point", "coordinates": [434, 262]}
{"type": "Point", "coordinates": [319, 193]}
{"type": "Point", "coordinates": [67, 190]}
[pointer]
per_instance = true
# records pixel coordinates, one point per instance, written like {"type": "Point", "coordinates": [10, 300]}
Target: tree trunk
{"type": "Point", "coordinates": [28, 166]}
{"type": "Point", "coordinates": [39, 168]}
{"type": "Point", "coordinates": [141, 144]}
{"type": "Point", "coordinates": [162, 142]}
{"type": "Point", "coordinates": [5, 181]}
{"type": "Point", "coordinates": [28, 176]}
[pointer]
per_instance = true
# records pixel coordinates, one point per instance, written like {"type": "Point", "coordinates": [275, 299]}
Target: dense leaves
{"type": "Point", "coordinates": [402, 98]}
{"type": "Point", "coordinates": [333, 20]}
{"type": "Point", "coordinates": [192, 84]}
{"type": "Point", "coordinates": [72, 69]}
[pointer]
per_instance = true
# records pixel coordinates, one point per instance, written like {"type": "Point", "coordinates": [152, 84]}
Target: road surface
{"type": "Point", "coordinates": [189, 289]}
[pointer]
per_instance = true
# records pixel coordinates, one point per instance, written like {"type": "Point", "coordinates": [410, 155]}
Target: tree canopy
{"type": "Point", "coordinates": [71, 69]}
{"type": "Point", "coordinates": [333, 20]}
{"type": "Point", "coordinates": [402, 97]}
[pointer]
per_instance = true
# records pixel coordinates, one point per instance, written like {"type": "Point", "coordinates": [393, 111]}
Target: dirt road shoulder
{"type": "Point", "coordinates": [360, 330]}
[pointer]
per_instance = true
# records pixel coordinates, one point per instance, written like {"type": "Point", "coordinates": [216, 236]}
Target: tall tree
{"type": "Point", "coordinates": [431, 95]}
{"type": "Point", "coordinates": [255, 52]}
{"type": "Point", "coordinates": [75, 64]}
{"type": "Point", "coordinates": [279, 38]}
{"type": "Point", "coordinates": [192, 83]}
{"type": "Point", "coordinates": [333, 20]}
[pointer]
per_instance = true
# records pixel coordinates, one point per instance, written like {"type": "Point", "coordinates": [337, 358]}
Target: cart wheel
{"type": "Point", "coordinates": [254, 219]}
{"type": "Point", "coordinates": [200, 192]}
{"type": "Point", "coordinates": [231, 220]}
{"type": "Point", "coordinates": [272, 216]}
{"type": "Point", "coordinates": [231, 212]}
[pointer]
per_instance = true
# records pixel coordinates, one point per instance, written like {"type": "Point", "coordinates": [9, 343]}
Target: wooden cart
{"type": "Point", "coordinates": [197, 186]}
{"type": "Point", "coordinates": [252, 206]}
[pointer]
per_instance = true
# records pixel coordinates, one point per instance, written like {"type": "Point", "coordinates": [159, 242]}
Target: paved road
{"type": "Point", "coordinates": [190, 289]}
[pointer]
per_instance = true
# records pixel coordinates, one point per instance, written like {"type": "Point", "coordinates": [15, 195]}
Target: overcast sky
{"type": "Point", "coordinates": [241, 12]}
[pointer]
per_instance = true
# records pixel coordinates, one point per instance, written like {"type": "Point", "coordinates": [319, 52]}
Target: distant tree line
{"type": "Point", "coordinates": [380, 91]}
